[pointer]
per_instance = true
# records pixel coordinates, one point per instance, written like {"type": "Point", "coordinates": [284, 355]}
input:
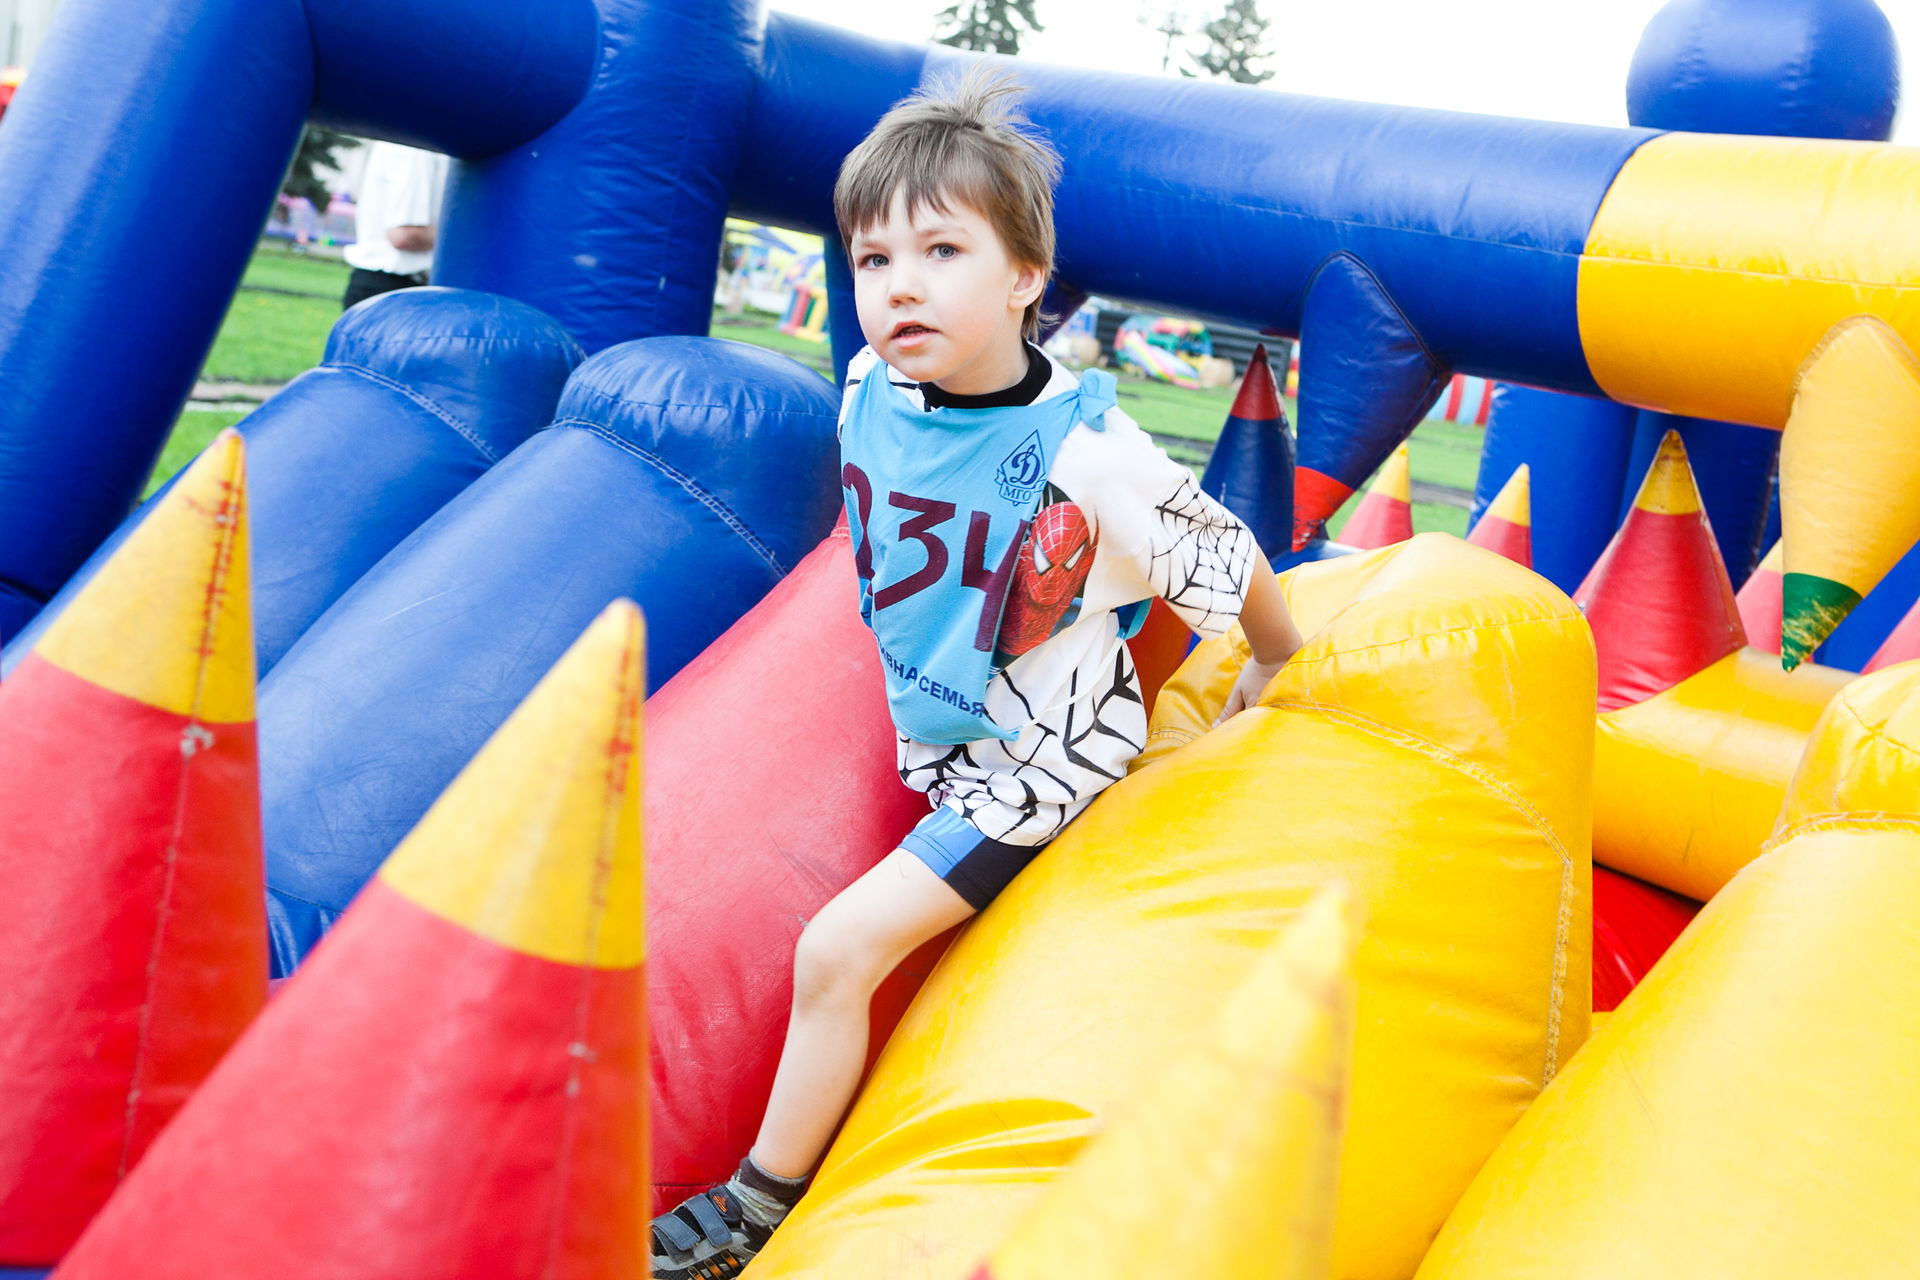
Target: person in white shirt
{"type": "Point", "coordinates": [394, 221]}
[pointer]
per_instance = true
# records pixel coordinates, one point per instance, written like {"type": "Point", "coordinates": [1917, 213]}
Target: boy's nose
{"type": "Point", "coordinates": [903, 285]}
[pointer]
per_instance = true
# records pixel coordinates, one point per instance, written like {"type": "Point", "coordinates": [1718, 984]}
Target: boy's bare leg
{"type": "Point", "coordinates": [854, 942]}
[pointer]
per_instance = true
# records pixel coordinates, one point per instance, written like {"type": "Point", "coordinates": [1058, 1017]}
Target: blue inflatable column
{"type": "Point", "coordinates": [1855, 641]}
{"type": "Point", "coordinates": [1575, 449]}
{"type": "Point", "coordinates": [685, 473]}
{"type": "Point", "coordinates": [137, 167]}
{"type": "Point", "coordinates": [843, 315]}
{"type": "Point", "coordinates": [612, 221]}
{"type": "Point", "coordinates": [1366, 381]}
{"type": "Point", "coordinates": [420, 392]}
{"type": "Point", "coordinates": [1734, 466]}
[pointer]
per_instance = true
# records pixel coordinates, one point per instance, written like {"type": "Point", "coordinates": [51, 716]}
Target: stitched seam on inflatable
{"type": "Point", "coordinates": [1856, 820]}
{"type": "Point", "coordinates": [686, 482]}
{"type": "Point", "coordinates": [454, 424]}
{"type": "Point", "coordinates": [1675, 265]}
{"type": "Point", "coordinates": [228, 517]}
{"type": "Point", "coordinates": [1563, 931]}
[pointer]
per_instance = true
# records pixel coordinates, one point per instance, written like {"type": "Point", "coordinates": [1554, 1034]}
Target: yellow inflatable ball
{"type": "Point", "coordinates": [1431, 748]}
{"type": "Point", "coordinates": [1751, 1109]}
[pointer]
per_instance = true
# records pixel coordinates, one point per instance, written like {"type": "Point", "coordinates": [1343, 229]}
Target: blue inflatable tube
{"type": "Point", "coordinates": [1241, 197]}
{"type": "Point", "coordinates": [1576, 450]}
{"type": "Point", "coordinates": [1733, 464]}
{"type": "Point", "coordinates": [470, 78]}
{"type": "Point", "coordinates": [611, 222]}
{"type": "Point", "coordinates": [419, 393]}
{"type": "Point", "coordinates": [106, 194]}
{"type": "Point", "coordinates": [685, 473]}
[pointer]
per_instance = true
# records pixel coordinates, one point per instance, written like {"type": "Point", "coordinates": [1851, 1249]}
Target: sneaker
{"type": "Point", "coordinates": [706, 1237]}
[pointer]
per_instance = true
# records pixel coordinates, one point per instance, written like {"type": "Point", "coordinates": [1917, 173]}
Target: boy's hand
{"type": "Point", "coordinates": [1270, 630]}
{"type": "Point", "coordinates": [1246, 691]}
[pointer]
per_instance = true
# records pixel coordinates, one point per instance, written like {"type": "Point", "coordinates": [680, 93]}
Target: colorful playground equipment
{"type": "Point", "coordinates": [1338, 957]}
{"type": "Point", "coordinates": [1163, 348]}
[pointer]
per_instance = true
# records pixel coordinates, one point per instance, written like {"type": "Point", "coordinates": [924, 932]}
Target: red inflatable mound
{"type": "Point", "coordinates": [1633, 925]}
{"type": "Point", "coordinates": [770, 786]}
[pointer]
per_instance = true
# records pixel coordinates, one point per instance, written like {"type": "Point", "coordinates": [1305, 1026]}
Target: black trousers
{"type": "Point", "coordinates": [363, 284]}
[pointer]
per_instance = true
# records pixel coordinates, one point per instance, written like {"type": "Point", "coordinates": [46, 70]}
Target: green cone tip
{"type": "Point", "coordinates": [1810, 608]}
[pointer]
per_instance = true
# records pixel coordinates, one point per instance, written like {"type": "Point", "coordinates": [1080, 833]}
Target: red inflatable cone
{"type": "Point", "coordinates": [451, 1087]}
{"type": "Point", "coordinates": [1633, 925]}
{"type": "Point", "coordinates": [1385, 515]}
{"type": "Point", "coordinates": [771, 787]}
{"type": "Point", "coordinates": [1659, 600]}
{"type": "Point", "coordinates": [1506, 526]}
{"type": "Point", "coordinates": [1759, 602]}
{"type": "Point", "coordinates": [134, 948]}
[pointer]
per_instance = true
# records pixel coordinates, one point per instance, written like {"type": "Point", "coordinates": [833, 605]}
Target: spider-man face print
{"type": "Point", "coordinates": [1047, 580]}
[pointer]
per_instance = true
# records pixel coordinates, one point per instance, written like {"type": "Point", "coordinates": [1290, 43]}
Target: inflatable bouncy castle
{"type": "Point", "coordinates": [354, 711]}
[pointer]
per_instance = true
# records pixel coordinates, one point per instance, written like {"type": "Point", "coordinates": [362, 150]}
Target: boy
{"type": "Point", "coordinates": [1010, 525]}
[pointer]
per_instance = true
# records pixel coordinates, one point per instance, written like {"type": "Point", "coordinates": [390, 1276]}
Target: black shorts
{"type": "Point", "coordinates": [975, 867]}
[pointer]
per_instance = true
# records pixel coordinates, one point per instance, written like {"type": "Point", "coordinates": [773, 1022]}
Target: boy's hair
{"type": "Point", "coordinates": [959, 141]}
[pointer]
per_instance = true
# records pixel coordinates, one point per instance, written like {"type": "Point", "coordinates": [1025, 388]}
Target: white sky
{"type": "Point", "coordinates": [1544, 59]}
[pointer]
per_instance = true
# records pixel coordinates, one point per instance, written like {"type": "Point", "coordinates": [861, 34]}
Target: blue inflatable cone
{"type": "Point", "coordinates": [1251, 470]}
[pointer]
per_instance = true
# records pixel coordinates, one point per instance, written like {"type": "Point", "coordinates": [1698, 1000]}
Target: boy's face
{"type": "Point", "coordinates": [940, 300]}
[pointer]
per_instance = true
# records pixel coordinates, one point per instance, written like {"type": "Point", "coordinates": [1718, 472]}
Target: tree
{"type": "Point", "coordinates": [317, 150]}
{"type": "Point", "coordinates": [988, 26]}
{"type": "Point", "coordinates": [1235, 42]}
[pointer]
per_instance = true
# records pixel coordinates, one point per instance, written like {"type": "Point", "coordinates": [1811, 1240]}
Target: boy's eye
{"type": "Point", "coordinates": [945, 251]}
{"type": "Point", "coordinates": [874, 260]}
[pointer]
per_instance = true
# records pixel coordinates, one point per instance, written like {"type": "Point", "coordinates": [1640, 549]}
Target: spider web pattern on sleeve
{"type": "Point", "coordinates": [1201, 561]}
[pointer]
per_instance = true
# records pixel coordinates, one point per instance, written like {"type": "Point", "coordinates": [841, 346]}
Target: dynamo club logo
{"type": "Point", "coordinates": [1023, 472]}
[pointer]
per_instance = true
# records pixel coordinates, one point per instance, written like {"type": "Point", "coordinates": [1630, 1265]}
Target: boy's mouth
{"type": "Point", "coordinates": [909, 330]}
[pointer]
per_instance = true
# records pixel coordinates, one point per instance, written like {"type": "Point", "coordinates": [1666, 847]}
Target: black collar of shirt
{"type": "Point", "coordinates": [1025, 391]}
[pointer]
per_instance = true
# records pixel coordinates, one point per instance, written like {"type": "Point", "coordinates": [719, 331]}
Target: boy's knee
{"type": "Point", "coordinates": [830, 963]}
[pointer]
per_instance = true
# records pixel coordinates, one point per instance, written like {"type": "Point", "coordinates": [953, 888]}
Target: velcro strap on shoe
{"type": "Point", "coordinates": [711, 1224]}
{"type": "Point", "coordinates": [673, 1231]}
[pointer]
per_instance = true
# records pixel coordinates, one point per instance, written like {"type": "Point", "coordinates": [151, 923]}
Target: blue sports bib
{"type": "Point", "coordinates": [938, 506]}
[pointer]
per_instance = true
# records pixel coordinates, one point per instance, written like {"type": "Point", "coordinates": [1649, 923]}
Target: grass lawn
{"type": "Point", "coordinates": [763, 330]}
{"type": "Point", "coordinates": [275, 336]}
{"type": "Point", "coordinates": [192, 433]}
{"type": "Point", "coordinates": [274, 266]}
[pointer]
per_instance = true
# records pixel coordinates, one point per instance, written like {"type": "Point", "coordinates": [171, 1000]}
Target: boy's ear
{"type": "Point", "coordinates": [1029, 282]}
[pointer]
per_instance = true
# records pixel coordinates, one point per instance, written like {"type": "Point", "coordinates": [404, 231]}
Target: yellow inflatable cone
{"type": "Point", "coordinates": [1385, 515]}
{"type": "Point", "coordinates": [1849, 469]}
{"type": "Point", "coordinates": [1750, 1109]}
{"type": "Point", "coordinates": [454, 1085]}
{"type": "Point", "coordinates": [1506, 526]}
{"type": "Point", "coordinates": [1228, 1164]}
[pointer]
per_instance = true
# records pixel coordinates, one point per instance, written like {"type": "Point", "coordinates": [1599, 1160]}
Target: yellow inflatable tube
{"type": "Point", "coordinates": [1751, 1109]}
{"type": "Point", "coordinates": [1686, 785]}
{"type": "Point", "coordinates": [1429, 747]}
{"type": "Point", "coordinates": [1237, 1140]}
